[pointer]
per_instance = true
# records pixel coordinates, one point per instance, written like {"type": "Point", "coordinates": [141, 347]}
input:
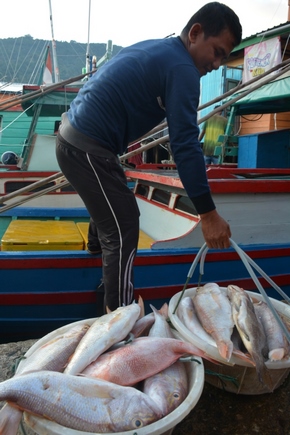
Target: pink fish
{"type": "Point", "coordinates": [215, 314]}
{"type": "Point", "coordinates": [140, 359]}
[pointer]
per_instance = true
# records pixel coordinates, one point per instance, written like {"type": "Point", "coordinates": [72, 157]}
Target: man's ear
{"type": "Point", "coordinates": [194, 32]}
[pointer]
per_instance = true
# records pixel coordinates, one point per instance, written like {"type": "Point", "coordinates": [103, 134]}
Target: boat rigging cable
{"type": "Point", "coordinates": [88, 44]}
{"type": "Point", "coordinates": [282, 67]}
{"type": "Point", "coordinates": [43, 90]}
{"type": "Point", "coordinates": [53, 43]}
{"type": "Point", "coordinates": [221, 107]}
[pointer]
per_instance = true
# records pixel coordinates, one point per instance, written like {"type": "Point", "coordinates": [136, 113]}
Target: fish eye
{"type": "Point", "coordinates": [138, 423]}
{"type": "Point", "coordinates": [176, 395]}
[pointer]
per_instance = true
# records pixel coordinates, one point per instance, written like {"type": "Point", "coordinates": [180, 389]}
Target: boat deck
{"type": "Point", "coordinates": [221, 179]}
{"type": "Point", "coordinates": [37, 235]}
{"type": "Point", "coordinates": [145, 241]}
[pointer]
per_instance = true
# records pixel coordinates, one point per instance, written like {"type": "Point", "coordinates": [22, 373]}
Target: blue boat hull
{"type": "Point", "coordinates": [42, 291]}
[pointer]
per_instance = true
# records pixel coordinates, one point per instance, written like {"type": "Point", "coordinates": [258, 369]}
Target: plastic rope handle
{"type": "Point", "coordinates": [248, 263]}
{"type": "Point", "coordinates": [259, 286]}
{"type": "Point", "coordinates": [201, 253]}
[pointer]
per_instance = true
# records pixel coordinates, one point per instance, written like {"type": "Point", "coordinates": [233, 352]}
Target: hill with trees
{"type": "Point", "coordinates": [21, 58]}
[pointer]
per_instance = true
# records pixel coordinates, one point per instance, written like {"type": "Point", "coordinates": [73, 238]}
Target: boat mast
{"type": "Point", "coordinates": [55, 65]}
{"type": "Point", "coordinates": [88, 60]}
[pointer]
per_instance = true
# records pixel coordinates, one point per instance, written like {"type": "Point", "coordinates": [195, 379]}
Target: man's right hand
{"type": "Point", "coordinates": [216, 231]}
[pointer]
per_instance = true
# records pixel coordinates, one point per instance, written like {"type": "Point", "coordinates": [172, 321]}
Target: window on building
{"type": "Point", "coordinates": [231, 84]}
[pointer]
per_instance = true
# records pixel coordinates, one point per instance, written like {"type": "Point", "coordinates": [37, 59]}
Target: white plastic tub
{"type": "Point", "coordinates": [236, 368]}
{"type": "Point", "coordinates": [163, 426]}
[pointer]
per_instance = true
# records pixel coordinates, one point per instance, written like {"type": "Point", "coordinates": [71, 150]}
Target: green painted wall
{"type": "Point", "coordinates": [14, 129]}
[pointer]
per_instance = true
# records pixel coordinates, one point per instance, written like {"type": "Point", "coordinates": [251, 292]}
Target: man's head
{"type": "Point", "coordinates": [215, 17]}
{"type": "Point", "coordinates": [210, 35]}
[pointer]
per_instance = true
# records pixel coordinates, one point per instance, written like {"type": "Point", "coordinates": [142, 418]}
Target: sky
{"type": "Point", "coordinates": [124, 21]}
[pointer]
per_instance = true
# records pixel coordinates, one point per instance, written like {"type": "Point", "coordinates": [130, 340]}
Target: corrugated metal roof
{"type": "Point", "coordinates": [269, 98]}
{"type": "Point", "coordinates": [12, 88]}
{"type": "Point", "coordinates": [283, 28]}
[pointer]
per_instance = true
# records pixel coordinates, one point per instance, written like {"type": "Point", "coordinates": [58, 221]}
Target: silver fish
{"type": "Point", "coordinates": [277, 343]}
{"type": "Point", "coordinates": [160, 327]}
{"type": "Point", "coordinates": [52, 355]}
{"type": "Point", "coordinates": [143, 325]}
{"type": "Point", "coordinates": [103, 333]}
{"type": "Point", "coordinates": [10, 419]}
{"type": "Point", "coordinates": [251, 331]}
{"type": "Point", "coordinates": [215, 314]}
{"type": "Point", "coordinates": [187, 315]}
{"type": "Point", "coordinates": [169, 387]}
{"type": "Point", "coordinates": [80, 403]}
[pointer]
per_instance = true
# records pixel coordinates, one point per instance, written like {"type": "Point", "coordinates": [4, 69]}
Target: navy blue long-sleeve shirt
{"type": "Point", "coordinates": [135, 91]}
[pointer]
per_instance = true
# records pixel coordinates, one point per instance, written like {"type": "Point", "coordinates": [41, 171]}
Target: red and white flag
{"type": "Point", "coordinates": [47, 71]}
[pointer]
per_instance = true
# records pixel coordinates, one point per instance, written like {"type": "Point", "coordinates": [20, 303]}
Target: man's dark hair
{"type": "Point", "coordinates": [215, 17]}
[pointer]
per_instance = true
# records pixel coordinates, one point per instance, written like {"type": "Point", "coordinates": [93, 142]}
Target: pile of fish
{"type": "Point", "coordinates": [121, 372]}
{"type": "Point", "coordinates": [237, 325]}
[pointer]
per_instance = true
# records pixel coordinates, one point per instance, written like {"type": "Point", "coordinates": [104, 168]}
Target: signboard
{"type": "Point", "coordinates": [261, 57]}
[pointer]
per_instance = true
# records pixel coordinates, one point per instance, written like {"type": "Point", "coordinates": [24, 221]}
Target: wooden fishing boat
{"type": "Point", "coordinates": [46, 285]}
{"type": "Point", "coordinates": [43, 106]}
{"type": "Point", "coordinates": [48, 279]}
{"type": "Point", "coordinates": [37, 160]}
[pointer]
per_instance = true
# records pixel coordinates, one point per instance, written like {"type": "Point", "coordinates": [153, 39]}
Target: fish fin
{"type": "Point", "coordinates": [214, 361]}
{"type": "Point", "coordinates": [84, 375]}
{"type": "Point", "coordinates": [68, 361]}
{"type": "Point", "coordinates": [10, 419]}
{"type": "Point", "coordinates": [164, 310]}
{"type": "Point", "coordinates": [108, 311]}
{"type": "Point", "coordinates": [244, 356]}
{"type": "Point", "coordinates": [193, 350]}
{"type": "Point", "coordinates": [153, 308]}
{"type": "Point", "coordinates": [141, 305]}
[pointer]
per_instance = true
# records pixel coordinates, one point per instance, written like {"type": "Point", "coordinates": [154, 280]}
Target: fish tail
{"type": "Point", "coordinates": [265, 377]}
{"type": "Point", "coordinates": [163, 311]}
{"type": "Point", "coordinates": [277, 354]}
{"type": "Point", "coordinates": [225, 349]}
{"type": "Point", "coordinates": [10, 419]}
{"type": "Point", "coordinates": [190, 349]}
{"type": "Point", "coordinates": [244, 356]}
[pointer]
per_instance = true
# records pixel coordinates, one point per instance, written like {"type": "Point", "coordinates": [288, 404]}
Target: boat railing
{"type": "Point", "coordinates": [58, 178]}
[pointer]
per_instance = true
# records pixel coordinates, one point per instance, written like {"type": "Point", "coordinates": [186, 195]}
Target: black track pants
{"type": "Point", "coordinates": [114, 226]}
